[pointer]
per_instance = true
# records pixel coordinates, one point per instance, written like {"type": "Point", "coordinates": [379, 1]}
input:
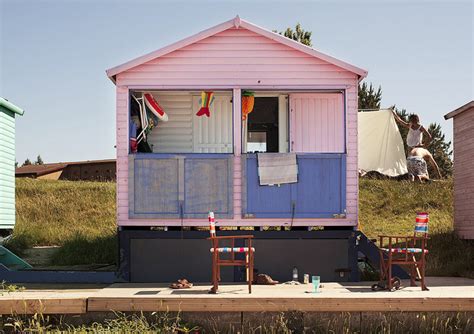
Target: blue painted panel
{"type": "Point", "coordinates": [156, 188]}
{"type": "Point", "coordinates": [266, 201]}
{"type": "Point", "coordinates": [184, 185]}
{"type": "Point", "coordinates": [320, 192]}
{"type": "Point", "coordinates": [206, 187]}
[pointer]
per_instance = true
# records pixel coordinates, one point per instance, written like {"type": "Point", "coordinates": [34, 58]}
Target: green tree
{"type": "Point", "coordinates": [16, 164]}
{"type": "Point", "coordinates": [39, 161]}
{"type": "Point", "coordinates": [27, 162]}
{"type": "Point", "coordinates": [369, 98]}
{"type": "Point", "coordinates": [441, 150]}
{"type": "Point", "coordinates": [299, 35]}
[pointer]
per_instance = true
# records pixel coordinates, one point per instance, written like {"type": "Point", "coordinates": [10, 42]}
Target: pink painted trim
{"type": "Point", "coordinates": [239, 222]}
{"type": "Point", "coordinates": [235, 22]}
{"type": "Point", "coordinates": [284, 87]}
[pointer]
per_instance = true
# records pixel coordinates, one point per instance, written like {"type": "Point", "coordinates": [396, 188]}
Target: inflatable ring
{"type": "Point", "coordinates": [155, 108]}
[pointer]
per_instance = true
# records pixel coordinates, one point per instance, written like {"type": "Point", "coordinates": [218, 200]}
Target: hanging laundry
{"type": "Point", "coordinates": [380, 143]}
{"type": "Point", "coordinates": [133, 136]}
{"type": "Point", "coordinates": [155, 108]}
{"type": "Point", "coordinates": [248, 101]}
{"type": "Point", "coordinates": [206, 100]}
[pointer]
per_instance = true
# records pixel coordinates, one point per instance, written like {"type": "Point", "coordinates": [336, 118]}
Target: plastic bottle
{"type": "Point", "coordinates": [295, 274]}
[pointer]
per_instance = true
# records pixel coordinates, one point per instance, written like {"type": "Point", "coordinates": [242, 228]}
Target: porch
{"type": "Point", "coordinates": [447, 294]}
{"type": "Point", "coordinates": [199, 164]}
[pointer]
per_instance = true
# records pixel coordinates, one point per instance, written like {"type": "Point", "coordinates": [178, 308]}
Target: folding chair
{"type": "Point", "coordinates": [216, 252]}
{"type": "Point", "coordinates": [413, 255]}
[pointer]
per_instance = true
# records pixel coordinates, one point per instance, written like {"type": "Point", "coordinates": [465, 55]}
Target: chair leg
{"type": "Point", "coordinates": [413, 275]}
{"type": "Point", "coordinates": [250, 269]}
{"type": "Point", "coordinates": [422, 274]}
{"type": "Point", "coordinates": [389, 278]}
{"type": "Point", "coordinates": [215, 268]}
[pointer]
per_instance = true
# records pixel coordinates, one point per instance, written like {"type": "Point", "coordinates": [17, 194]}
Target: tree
{"type": "Point", "coordinates": [27, 162]}
{"type": "Point", "coordinates": [16, 164]}
{"type": "Point", "coordinates": [299, 35]}
{"type": "Point", "coordinates": [369, 98]}
{"type": "Point", "coordinates": [441, 150]}
{"type": "Point", "coordinates": [39, 161]}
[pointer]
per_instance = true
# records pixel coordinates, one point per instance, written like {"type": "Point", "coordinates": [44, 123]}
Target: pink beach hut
{"type": "Point", "coordinates": [300, 136]}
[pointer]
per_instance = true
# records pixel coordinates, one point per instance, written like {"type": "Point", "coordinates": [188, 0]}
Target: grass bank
{"type": "Point", "coordinates": [80, 217]}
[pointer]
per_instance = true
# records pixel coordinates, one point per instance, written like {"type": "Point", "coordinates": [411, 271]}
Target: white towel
{"type": "Point", "coordinates": [277, 168]}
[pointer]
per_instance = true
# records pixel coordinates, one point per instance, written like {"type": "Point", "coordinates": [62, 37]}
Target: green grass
{"type": "Point", "coordinates": [80, 217]}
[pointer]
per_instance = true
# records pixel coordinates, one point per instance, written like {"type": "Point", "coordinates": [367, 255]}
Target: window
{"type": "Point", "coordinates": [266, 127]}
{"type": "Point", "coordinates": [184, 131]}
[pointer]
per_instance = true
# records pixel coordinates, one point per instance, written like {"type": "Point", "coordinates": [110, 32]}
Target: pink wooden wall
{"type": "Point", "coordinates": [463, 174]}
{"type": "Point", "coordinates": [317, 123]}
{"type": "Point", "coordinates": [237, 59]}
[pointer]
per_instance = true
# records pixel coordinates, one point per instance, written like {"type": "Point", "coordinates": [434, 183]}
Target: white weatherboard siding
{"type": "Point", "coordinates": [176, 135]}
{"type": "Point", "coordinates": [185, 132]}
{"type": "Point", "coordinates": [7, 169]}
{"type": "Point", "coordinates": [213, 134]}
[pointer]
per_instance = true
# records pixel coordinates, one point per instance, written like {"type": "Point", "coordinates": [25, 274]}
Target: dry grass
{"type": "Point", "coordinates": [54, 212]}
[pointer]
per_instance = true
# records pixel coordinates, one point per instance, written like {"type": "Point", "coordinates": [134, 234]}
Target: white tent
{"type": "Point", "coordinates": [380, 143]}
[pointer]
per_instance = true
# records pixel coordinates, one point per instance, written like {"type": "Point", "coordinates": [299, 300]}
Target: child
{"type": "Point", "coordinates": [415, 131]}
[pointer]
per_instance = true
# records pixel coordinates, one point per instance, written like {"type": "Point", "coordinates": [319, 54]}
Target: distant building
{"type": "Point", "coordinates": [463, 136]}
{"type": "Point", "coordinates": [91, 170]}
{"type": "Point", "coordinates": [8, 112]}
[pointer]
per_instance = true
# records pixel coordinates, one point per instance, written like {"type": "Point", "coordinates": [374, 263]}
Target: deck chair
{"type": "Point", "coordinates": [216, 252]}
{"type": "Point", "coordinates": [407, 251]}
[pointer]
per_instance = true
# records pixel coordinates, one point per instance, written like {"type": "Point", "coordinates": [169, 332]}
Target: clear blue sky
{"type": "Point", "coordinates": [54, 55]}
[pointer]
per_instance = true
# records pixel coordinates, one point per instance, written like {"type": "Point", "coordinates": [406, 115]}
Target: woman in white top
{"type": "Point", "coordinates": [415, 130]}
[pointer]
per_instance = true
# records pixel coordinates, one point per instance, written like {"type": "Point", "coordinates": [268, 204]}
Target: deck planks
{"type": "Point", "coordinates": [445, 295]}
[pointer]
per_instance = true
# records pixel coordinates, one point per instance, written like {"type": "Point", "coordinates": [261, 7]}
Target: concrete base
{"type": "Point", "coordinates": [159, 256]}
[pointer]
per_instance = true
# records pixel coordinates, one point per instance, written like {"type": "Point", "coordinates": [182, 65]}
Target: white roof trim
{"type": "Point", "coordinates": [459, 110]}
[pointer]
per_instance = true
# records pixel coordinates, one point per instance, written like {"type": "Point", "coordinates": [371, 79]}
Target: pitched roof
{"type": "Point", "coordinates": [44, 169]}
{"type": "Point", "coordinates": [39, 170]}
{"type": "Point", "coordinates": [236, 22]}
{"type": "Point", "coordinates": [459, 110]}
{"type": "Point", "coordinates": [10, 106]}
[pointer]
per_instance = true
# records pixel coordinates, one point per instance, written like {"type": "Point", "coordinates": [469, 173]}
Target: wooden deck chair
{"type": "Point", "coordinates": [406, 251]}
{"type": "Point", "coordinates": [217, 251]}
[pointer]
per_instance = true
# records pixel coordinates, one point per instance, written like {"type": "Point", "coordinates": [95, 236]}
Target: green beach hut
{"type": "Point", "coordinates": [8, 111]}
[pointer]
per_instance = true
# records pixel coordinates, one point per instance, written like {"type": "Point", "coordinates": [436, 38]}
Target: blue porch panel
{"type": "Point", "coordinates": [180, 186]}
{"type": "Point", "coordinates": [319, 193]}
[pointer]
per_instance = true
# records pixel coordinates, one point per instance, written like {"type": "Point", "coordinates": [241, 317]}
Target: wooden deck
{"type": "Point", "coordinates": [446, 294]}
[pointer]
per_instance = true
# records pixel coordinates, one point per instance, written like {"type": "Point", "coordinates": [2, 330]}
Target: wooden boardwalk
{"type": "Point", "coordinates": [446, 294]}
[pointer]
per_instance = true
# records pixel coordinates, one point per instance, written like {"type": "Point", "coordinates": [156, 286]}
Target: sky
{"type": "Point", "coordinates": [53, 57]}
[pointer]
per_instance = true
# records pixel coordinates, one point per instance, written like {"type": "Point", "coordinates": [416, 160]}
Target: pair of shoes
{"type": "Point", "coordinates": [264, 279]}
{"type": "Point", "coordinates": [182, 283]}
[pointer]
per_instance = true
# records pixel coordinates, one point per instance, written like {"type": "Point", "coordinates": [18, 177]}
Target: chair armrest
{"type": "Point", "coordinates": [232, 237]}
{"type": "Point", "coordinates": [396, 236]}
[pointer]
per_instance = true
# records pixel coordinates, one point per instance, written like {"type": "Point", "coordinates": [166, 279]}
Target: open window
{"type": "Point", "coordinates": [265, 129]}
{"type": "Point", "coordinates": [167, 122]}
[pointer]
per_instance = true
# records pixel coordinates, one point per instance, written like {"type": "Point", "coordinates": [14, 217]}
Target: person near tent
{"type": "Point", "coordinates": [415, 131]}
{"type": "Point", "coordinates": [416, 164]}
